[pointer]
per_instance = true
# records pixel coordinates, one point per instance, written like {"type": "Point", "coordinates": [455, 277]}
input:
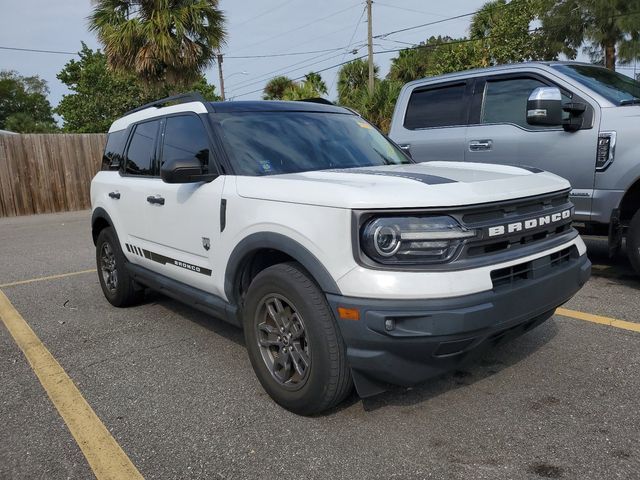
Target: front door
{"type": "Point", "coordinates": [184, 223]}
{"type": "Point", "coordinates": [500, 134]}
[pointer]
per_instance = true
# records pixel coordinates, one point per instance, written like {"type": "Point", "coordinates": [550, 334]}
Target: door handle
{"type": "Point", "coordinates": [479, 145]}
{"type": "Point", "coordinates": [115, 195]}
{"type": "Point", "coordinates": [157, 199]}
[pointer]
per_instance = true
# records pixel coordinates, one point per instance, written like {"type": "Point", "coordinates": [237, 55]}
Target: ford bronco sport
{"type": "Point", "coordinates": [343, 260]}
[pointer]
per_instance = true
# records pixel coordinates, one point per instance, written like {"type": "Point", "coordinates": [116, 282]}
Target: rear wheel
{"type": "Point", "coordinates": [633, 242]}
{"type": "Point", "coordinates": [293, 341]}
{"type": "Point", "coordinates": [118, 287]}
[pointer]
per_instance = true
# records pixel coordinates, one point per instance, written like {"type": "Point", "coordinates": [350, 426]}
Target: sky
{"type": "Point", "coordinates": [254, 27]}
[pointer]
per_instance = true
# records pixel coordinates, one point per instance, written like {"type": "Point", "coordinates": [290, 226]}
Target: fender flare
{"type": "Point", "coordinates": [99, 213]}
{"type": "Point", "coordinates": [282, 243]}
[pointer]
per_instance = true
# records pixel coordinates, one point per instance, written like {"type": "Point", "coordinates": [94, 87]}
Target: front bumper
{"type": "Point", "coordinates": [405, 342]}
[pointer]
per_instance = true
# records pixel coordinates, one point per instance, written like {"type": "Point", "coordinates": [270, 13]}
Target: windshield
{"type": "Point", "coordinates": [614, 86]}
{"type": "Point", "coordinates": [270, 143]}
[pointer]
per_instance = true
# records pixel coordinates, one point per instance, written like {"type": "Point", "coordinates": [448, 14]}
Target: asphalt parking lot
{"type": "Point", "coordinates": [177, 393]}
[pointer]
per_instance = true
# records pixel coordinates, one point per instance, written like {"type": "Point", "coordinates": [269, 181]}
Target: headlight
{"type": "Point", "coordinates": [412, 240]}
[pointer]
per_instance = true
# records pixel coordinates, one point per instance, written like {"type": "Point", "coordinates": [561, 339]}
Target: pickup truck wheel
{"type": "Point", "coordinates": [294, 343]}
{"type": "Point", "coordinates": [118, 287]}
{"type": "Point", "coordinates": [633, 242]}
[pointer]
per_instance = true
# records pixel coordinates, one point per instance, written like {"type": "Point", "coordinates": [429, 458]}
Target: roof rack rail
{"type": "Point", "coordinates": [182, 98]}
{"type": "Point", "coordinates": [322, 101]}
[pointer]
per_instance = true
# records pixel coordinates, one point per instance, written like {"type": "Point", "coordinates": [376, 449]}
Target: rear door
{"type": "Point", "coordinates": [499, 133]}
{"type": "Point", "coordinates": [184, 229]}
{"type": "Point", "coordinates": [136, 176]}
{"type": "Point", "coordinates": [433, 125]}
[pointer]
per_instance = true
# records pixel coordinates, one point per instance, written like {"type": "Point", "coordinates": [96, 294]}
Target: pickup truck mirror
{"type": "Point", "coordinates": [185, 170]}
{"type": "Point", "coordinates": [544, 107]}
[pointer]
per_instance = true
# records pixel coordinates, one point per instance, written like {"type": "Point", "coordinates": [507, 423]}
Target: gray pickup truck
{"type": "Point", "coordinates": [576, 120]}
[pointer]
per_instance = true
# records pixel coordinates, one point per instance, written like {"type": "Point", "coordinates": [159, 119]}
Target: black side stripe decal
{"type": "Point", "coordinates": [418, 177]}
{"type": "Point", "coordinates": [156, 257]}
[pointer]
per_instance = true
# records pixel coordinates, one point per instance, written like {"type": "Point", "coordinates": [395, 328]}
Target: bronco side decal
{"type": "Point", "coordinates": [156, 257]}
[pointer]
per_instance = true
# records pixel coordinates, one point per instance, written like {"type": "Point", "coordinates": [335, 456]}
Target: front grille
{"type": "Point", "coordinates": [515, 212]}
{"type": "Point", "coordinates": [509, 276]}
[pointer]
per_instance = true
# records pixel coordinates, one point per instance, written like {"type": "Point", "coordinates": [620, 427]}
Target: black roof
{"type": "Point", "coordinates": [275, 106]}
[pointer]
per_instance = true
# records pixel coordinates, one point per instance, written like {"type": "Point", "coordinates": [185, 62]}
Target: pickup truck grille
{"type": "Point", "coordinates": [517, 224]}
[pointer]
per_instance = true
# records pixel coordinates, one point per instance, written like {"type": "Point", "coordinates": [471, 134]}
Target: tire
{"type": "Point", "coordinates": [118, 287]}
{"type": "Point", "coordinates": [633, 242]}
{"type": "Point", "coordinates": [303, 367]}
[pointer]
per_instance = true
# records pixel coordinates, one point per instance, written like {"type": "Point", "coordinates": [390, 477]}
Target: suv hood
{"type": "Point", "coordinates": [429, 184]}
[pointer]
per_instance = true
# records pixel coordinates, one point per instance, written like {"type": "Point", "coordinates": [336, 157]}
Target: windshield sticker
{"type": "Point", "coordinates": [266, 166]}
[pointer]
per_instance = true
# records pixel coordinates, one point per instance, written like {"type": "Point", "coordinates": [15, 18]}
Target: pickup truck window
{"type": "Point", "coordinates": [270, 143]}
{"type": "Point", "coordinates": [505, 101]}
{"type": "Point", "coordinates": [436, 107]}
{"type": "Point", "coordinates": [184, 137]}
{"type": "Point", "coordinates": [613, 86]}
{"type": "Point", "coordinates": [141, 151]}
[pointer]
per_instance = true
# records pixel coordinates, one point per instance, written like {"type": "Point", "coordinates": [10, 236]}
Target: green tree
{"type": "Point", "coordinates": [100, 95]}
{"type": "Point", "coordinates": [610, 28]}
{"type": "Point", "coordinates": [275, 88]}
{"type": "Point", "coordinates": [352, 78]}
{"type": "Point", "coordinates": [166, 42]}
{"type": "Point", "coordinates": [24, 106]}
{"type": "Point", "coordinates": [504, 33]}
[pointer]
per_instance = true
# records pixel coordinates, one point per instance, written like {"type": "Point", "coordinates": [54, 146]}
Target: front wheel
{"type": "Point", "coordinates": [633, 242]}
{"type": "Point", "coordinates": [293, 341]}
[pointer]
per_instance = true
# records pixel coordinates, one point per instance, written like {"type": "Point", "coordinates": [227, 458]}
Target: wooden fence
{"type": "Point", "coordinates": [45, 173]}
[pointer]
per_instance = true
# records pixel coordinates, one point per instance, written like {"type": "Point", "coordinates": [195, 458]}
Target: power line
{"type": "Point", "coordinates": [409, 9]}
{"type": "Point", "coordinates": [35, 50]}
{"type": "Point", "coordinates": [358, 23]}
{"type": "Point", "coordinates": [300, 27]}
{"type": "Point", "coordinates": [266, 12]}
{"type": "Point", "coordinates": [271, 55]}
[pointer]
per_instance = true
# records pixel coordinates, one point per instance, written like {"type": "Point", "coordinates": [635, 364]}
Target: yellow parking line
{"type": "Point", "coordinates": [105, 457]}
{"type": "Point", "coordinates": [589, 317]}
{"type": "Point", "coordinates": [50, 277]}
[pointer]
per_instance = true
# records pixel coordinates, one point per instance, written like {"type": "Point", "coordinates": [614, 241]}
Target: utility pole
{"type": "Point", "coordinates": [219, 56]}
{"type": "Point", "coordinates": [370, 42]}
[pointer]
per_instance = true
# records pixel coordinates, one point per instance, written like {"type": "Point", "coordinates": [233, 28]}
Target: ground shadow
{"type": "Point", "coordinates": [486, 365]}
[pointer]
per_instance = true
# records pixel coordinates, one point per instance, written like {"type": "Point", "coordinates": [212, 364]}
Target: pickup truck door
{"type": "Point", "coordinates": [433, 123]}
{"type": "Point", "coordinates": [184, 221]}
{"type": "Point", "coordinates": [499, 133]}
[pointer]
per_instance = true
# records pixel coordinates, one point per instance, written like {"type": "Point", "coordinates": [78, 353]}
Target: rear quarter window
{"type": "Point", "coordinates": [113, 155]}
{"type": "Point", "coordinates": [436, 107]}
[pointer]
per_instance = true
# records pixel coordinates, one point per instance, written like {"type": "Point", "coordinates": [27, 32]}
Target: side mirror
{"type": "Point", "coordinates": [544, 107]}
{"type": "Point", "coordinates": [185, 170]}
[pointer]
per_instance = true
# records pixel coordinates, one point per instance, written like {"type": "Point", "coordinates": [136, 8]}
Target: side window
{"type": "Point", "coordinates": [505, 101]}
{"type": "Point", "coordinates": [185, 137]}
{"type": "Point", "coordinates": [436, 107]}
{"type": "Point", "coordinates": [142, 148]}
{"type": "Point", "coordinates": [114, 150]}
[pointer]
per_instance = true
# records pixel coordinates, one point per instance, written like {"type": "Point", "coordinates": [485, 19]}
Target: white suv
{"type": "Point", "coordinates": [344, 261]}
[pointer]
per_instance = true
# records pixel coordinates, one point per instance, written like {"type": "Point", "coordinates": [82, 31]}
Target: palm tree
{"type": "Point", "coordinates": [611, 26]}
{"type": "Point", "coordinates": [316, 83]}
{"type": "Point", "coordinates": [275, 88]}
{"type": "Point", "coordinates": [162, 41]}
{"type": "Point", "coordinates": [353, 77]}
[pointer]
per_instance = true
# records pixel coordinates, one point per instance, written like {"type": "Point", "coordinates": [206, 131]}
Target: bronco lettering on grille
{"type": "Point", "coordinates": [529, 224]}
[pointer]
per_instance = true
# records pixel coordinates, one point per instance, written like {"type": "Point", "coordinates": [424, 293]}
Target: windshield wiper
{"type": "Point", "coordinates": [630, 101]}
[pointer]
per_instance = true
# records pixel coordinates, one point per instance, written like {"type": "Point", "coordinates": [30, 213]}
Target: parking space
{"type": "Point", "coordinates": [176, 391]}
